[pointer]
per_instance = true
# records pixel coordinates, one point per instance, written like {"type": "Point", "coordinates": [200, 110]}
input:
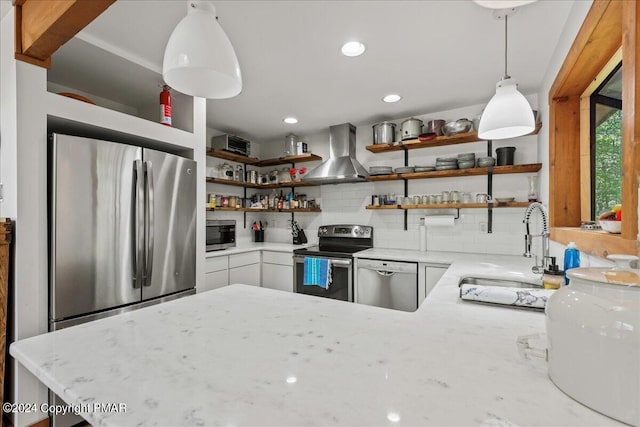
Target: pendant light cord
{"type": "Point", "coordinates": [506, 75]}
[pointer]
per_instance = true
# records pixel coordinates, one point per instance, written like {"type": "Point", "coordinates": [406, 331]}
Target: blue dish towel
{"type": "Point", "coordinates": [317, 272]}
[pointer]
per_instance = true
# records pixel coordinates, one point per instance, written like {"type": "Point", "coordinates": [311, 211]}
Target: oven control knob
{"type": "Point", "coordinates": [359, 231]}
{"type": "Point", "coordinates": [323, 230]}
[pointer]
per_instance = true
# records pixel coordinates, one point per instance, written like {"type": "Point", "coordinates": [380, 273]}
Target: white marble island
{"type": "Point", "coordinates": [249, 356]}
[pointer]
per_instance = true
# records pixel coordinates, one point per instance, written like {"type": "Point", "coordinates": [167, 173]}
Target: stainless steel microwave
{"type": "Point", "coordinates": [231, 143]}
{"type": "Point", "coordinates": [221, 234]}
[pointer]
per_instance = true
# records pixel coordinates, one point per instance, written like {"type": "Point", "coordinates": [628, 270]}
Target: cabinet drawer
{"type": "Point", "coordinates": [244, 259]}
{"type": "Point", "coordinates": [216, 264]}
{"type": "Point", "coordinates": [280, 258]}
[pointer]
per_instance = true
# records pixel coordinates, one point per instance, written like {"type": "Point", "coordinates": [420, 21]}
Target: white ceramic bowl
{"type": "Point", "coordinates": [611, 226]}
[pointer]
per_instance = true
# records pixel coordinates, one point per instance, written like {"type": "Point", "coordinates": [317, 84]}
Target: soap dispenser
{"type": "Point", "coordinates": [553, 277]}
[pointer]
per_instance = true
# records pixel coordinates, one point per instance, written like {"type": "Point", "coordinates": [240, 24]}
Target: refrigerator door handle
{"type": "Point", "coordinates": [138, 215]}
{"type": "Point", "coordinates": [149, 223]}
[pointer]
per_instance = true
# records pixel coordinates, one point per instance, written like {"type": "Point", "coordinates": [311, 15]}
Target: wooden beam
{"type": "Point", "coordinates": [630, 118]}
{"type": "Point", "coordinates": [42, 27]}
{"type": "Point", "coordinates": [564, 162]}
{"type": "Point", "coordinates": [598, 39]}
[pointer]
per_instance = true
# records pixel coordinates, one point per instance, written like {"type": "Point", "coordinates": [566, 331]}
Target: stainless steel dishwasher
{"type": "Point", "coordinates": [388, 284]}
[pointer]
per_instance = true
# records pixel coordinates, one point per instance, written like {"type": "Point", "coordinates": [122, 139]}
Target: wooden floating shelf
{"type": "Point", "coordinates": [301, 158]}
{"type": "Point", "coordinates": [265, 210]}
{"type": "Point", "coordinates": [254, 161]}
{"type": "Point", "coordinates": [412, 144]}
{"type": "Point", "coordinates": [226, 155]}
{"type": "Point", "coordinates": [260, 186]}
{"type": "Point", "coordinates": [453, 206]}
{"type": "Point", "coordinates": [497, 170]}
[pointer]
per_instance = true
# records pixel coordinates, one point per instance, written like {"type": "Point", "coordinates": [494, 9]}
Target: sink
{"type": "Point", "coordinates": [489, 281]}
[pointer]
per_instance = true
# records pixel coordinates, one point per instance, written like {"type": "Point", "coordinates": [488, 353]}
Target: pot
{"type": "Point", "coordinates": [384, 133]}
{"type": "Point", "coordinates": [434, 126]}
{"type": "Point", "coordinates": [411, 128]}
{"type": "Point", "coordinates": [593, 330]}
{"type": "Point", "coordinates": [459, 126]}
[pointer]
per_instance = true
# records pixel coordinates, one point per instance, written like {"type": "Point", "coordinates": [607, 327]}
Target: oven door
{"type": "Point", "coordinates": [341, 287]}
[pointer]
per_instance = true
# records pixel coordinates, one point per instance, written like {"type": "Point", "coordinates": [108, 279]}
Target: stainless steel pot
{"type": "Point", "coordinates": [384, 133]}
{"type": "Point", "coordinates": [411, 128]}
{"type": "Point", "coordinates": [435, 126]}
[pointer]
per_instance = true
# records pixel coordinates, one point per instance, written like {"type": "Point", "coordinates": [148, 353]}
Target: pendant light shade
{"type": "Point", "coordinates": [199, 59]}
{"type": "Point", "coordinates": [507, 115]}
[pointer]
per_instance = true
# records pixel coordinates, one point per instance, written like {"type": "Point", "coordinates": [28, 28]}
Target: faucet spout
{"type": "Point", "coordinates": [544, 234]}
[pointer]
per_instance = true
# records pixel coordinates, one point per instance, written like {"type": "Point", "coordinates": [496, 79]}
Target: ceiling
{"type": "Point", "coordinates": [437, 54]}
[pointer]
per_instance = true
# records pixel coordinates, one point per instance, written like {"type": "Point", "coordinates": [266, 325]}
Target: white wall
{"type": "Point", "coordinates": [345, 203]}
{"type": "Point", "coordinates": [572, 26]}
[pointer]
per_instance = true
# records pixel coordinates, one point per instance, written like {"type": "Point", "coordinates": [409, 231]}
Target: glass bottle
{"type": "Point", "coordinates": [532, 195]}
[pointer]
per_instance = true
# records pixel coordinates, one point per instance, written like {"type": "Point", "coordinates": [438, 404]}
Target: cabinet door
{"type": "Point", "coordinates": [275, 276]}
{"type": "Point", "coordinates": [214, 280]}
{"type": "Point", "coordinates": [432, 275]}
{"type": "Point", "coordinates": [247, 275]}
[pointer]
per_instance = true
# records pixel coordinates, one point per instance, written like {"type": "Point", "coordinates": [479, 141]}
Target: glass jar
{"type": "Point", "coordinates": [446, 197]}
{"type": "Point", "coordinates": [455, 197]}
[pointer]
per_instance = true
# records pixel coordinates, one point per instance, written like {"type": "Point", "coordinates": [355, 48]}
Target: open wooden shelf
{"type": "Point", "coordinates": [226, 155]}
{"type": "Point", "coordinates": [412, 144]}
{"type": "Point", "coordinates": [260, 186]}
{"type": "Point", "coordinates": [301, 158]}
{"type": "Point", "coordinates": [265, 210]}
{"type": "Point", "coordinates": [453, 206]}
{"type": "Point", "coordinates": [497, 170]}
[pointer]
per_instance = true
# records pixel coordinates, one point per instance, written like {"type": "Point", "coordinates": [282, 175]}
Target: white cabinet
{"type": "Point", "coordinates": [428, 275]}
{"type": "Point", "coordinates": [216, 274]}
{"type": "Point", "coordinates": [277, 270]}
{"type": "Point", "coordinates": [245, 268]}
{"type": "Point", "coordinates": [433, 273]}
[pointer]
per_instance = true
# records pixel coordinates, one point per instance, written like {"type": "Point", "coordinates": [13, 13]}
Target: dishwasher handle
{"type": "Point", "coordinates": [385, 273]}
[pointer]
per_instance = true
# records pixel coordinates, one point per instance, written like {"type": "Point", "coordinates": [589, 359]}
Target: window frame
{"type": "Point", "coordinates": [609, 26]}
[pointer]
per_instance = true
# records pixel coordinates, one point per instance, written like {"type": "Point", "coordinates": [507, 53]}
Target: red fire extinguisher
{"type": "Point", "coordinates": [165, 106]}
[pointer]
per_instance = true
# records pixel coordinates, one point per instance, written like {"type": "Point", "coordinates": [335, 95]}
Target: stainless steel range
{"type": "Point", "coordinates": [337, 243]}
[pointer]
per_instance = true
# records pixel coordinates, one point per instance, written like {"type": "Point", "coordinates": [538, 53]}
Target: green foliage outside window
{"type": "Point", "coordinates": [608, 163]}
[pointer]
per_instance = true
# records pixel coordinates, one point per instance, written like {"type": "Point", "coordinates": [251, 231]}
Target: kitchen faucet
{"type": "Point", "coordinates": [528, 237]}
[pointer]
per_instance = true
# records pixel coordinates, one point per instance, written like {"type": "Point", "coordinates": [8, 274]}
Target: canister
{"type": "Point", "coordinates": [384, 133]}
{"type": "Point", "coordinates": [290, 144]}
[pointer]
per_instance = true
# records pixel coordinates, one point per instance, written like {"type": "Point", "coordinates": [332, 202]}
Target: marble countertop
{"type": "Point", "coordinates": [251, 247]}
{"type": "Point", "coordinates": [243, 355]}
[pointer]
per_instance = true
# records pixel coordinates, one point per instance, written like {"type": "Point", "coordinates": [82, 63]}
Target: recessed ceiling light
{"type": "Point", "coordinates": [393, 97]}
{"type": "Point", "coordinates": [502, 4]}
{"type": "Point", "coordinates": [290, 120]}
{"type": "Point", "coordinates": [353, 49]}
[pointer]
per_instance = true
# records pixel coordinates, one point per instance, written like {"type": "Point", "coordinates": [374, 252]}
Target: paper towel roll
{"type": "Point", "coordinates": [440, 221]}
{"type": "Point", "coordinates": [423, 238]}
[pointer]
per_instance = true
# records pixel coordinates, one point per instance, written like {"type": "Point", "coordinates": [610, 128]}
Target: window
{"type": "Point", "coordinates": [606, 143]}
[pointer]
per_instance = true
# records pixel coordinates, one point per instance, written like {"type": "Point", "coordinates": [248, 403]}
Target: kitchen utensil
{"type": "Point", "coordinates": [446, 160]}
{"type": "Point", "coordinates": [290, 144]}
{"type": "Point", "coordinates": [411, 128]}
{"type": "Point", "coordinates": [380, 170]}
{"type": "Point", "coordinates": [239, 175]}
{"type": "Point", "coordinates": [484, 162]}
{"type": "Point", "coordinates": [481, 198]}
{"type": "Point", "coordinates": [611, 226]}
{"type": "Point", "coordinates": [424, 168]}
{"type": "Point", "coordinates": [252, 176]}
{"type": "Point", "coordinates": [434, 126]}
{"type": "Point", "coordinates": [446, 168]}
{"type": "Point", "coordinates": [505, 155]}
{"type": "Point", "coordinates": [466, 197]}
{"type": "Point", "coordinates": [446, 197]}
{"type": "Point", "coordinates": [593, 332]}
{"type": "Point", "coordinates": [225, 171]}
{"type": "Point", "coordinates": [455, 197]}
{"type": "Point", "coordinates": [466, 164]}
{"type": "Point", "coordinates": [407, 169]}
{"type": "Point", "coordinates": [467, 156]}
{"type": "Point", "coordinates": [416, 200]}
{"type": "Point", "coordinates": [427, 136]}
{"type": "Point", "coordinates": [384, 133]}
{"type": "Point", "coordinates": [459, 126]}
{"type": "Point", "coordinates": [505, 199]}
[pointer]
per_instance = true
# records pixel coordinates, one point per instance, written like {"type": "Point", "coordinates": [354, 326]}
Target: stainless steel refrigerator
{"type": "Point", "coordinates": [123, 228]}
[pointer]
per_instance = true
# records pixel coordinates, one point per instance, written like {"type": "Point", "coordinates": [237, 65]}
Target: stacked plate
{"type": "Point", "coordinates": [424, 168]}
{"type": "Point", "coordinates": [380, 170]}
{"type": "Point", "coordinates": [446, 163]}
{"type": "Point", "coordinates": [405, 169]}
{"type": "Point", "coordinates": [466, 160]}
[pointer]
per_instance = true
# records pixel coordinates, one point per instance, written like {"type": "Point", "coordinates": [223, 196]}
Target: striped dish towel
{"type": "Point", "coordinates": [317, 272]}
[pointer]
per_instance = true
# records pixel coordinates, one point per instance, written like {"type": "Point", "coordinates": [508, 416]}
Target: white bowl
{"type": "Point", "coordinates": [611, 226]}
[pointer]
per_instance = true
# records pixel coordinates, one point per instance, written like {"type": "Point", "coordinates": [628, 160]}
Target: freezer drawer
{"type": "Point", "coordinates": [387, 284]}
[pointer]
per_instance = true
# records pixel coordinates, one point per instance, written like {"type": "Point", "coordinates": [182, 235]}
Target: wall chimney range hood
{"type": "Point", "coordinates": [341, 166]}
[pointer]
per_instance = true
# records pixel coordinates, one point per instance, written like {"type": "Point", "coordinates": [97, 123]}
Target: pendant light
{"type": "Point", "coordinates": [508, 114]}
{"type": "Point", "coordinates": [199, 59]}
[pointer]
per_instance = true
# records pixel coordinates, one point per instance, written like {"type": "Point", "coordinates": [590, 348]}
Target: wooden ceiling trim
{"type": "Point", "coordinates": [42, 27]}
